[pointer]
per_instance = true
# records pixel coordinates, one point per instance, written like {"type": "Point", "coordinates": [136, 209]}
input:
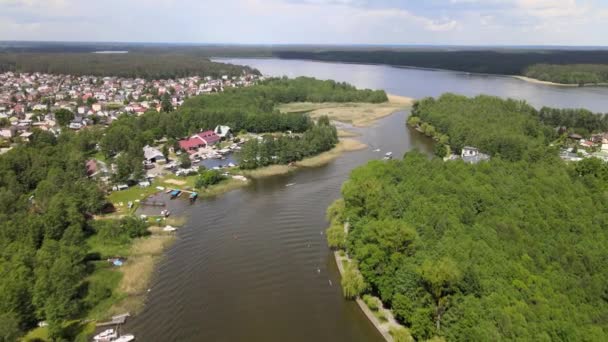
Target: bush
{"type": "Point", "coordinates": [336, 237]}
{"type": "Point", "coordinates": [208, 178]}
{"type": "Point", "coordinates": [400, 334]}
{"type": "Point", "coordinates": [371, 302]}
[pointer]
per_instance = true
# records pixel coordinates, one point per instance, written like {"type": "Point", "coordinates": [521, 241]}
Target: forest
{"type": "Point", "coordinates": [46, 202]}
{"type": "Point", "coordinates": [581, 74]}
{"type": "Point", "coordinates": [508, 249]}
{"type": "Point", "coordinates": [499, 61]}
{"type": "Point", "coordinates": [510, 129]}
{"type": "Point", "coordinates": [500, 250]}
{"type": "Point", "coordinates": [132, 65]}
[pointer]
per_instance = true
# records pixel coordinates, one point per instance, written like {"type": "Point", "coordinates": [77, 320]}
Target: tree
{"type": "Point", "coordinates": [63, 117]}
{"type": "Point", "coordinates": [184, 161]}
{"type": "Point", "coordinates": [166, 104]}
{"type": "Point", "coordinates": [9, 327]}
{"type": "Point", "coordinates": [165, 151]}
{"type": "Point", "coordinates": [208, 178]}
{"type": "Point", "coordinates": [352, 282]}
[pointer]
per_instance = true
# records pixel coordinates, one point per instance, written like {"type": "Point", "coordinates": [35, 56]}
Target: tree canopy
{"type": "Point", "coordinates": [498, 250]}
{"type": "Point", "coordinates": [581, 74]}
{"type": "Point", "coordinates": [511, 248]}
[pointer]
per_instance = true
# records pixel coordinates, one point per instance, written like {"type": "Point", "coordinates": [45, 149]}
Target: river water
{"type": "Point", "coordinates": [253, 265]}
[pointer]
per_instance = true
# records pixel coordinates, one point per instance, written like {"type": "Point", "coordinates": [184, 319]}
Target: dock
{"type": "Point", "coordinates": [153, 203]}
{"type": "Point", "coordinates": [116, 320]}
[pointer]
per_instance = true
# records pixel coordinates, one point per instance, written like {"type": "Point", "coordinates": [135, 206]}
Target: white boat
{"type": "Point", "coordinates": [290, 184]}
{"type": "Point", "coordinates": [125, 338]}
{"type": "Point", "coordinates": [106, 335]}
{"type": "Point", "coordinates": [169, 229]}
{"type": "Point", "coordinates": [389, 154]}
{"type": "Point", "coordinates": [377, 150]}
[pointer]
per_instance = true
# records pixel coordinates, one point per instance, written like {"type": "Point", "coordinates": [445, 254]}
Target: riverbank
{"type": "Point", "coordinates": [344, 145]}
{"type": "Point", "coordinates": [569, 85]}
{"type": "Point", "coordinates": [537, 81]}
{"type": "Point", "coordinates": [357, 114]}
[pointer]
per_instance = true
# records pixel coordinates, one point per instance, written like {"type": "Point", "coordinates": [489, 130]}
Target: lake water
{"type": "Point", "coordinates": [253, 264]}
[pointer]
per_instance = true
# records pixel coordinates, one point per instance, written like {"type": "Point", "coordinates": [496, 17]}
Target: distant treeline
{"type": "Point", "coordinates": [581, 74]}
{"type": "Point", "coordinates": [492, 62]}
{"type": "Point", "coordinates": [144, 65]}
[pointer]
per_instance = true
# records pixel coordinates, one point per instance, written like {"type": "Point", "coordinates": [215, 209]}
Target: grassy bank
{"type": "Point", "coordinates": [345, 145]}
{"type": "Point", "coordinates": [357, 114]}
{"type": "Point", "coordinates": [137, 272]}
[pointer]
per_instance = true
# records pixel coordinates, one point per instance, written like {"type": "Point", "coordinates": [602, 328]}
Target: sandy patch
{"type": "Point", "coordinates": [357, 114]}
{"type": "Point", "coordinates": [174, 182]}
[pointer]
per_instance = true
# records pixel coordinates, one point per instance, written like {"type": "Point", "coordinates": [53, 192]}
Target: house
{"type": "Point", "coordinates": [153, 155]}
{"type": "Point", "coordinates": [472, 155]}
{"type": "Point", "coordinates": [77, 123]}
{"type": "Point", "coordinates": [223, 131]}
{"type": "Point", "coordinates": [197, 141]}
{"type": "Point", "coordinates": [91, 166]}
{"type": "Point", "coordinates": [26, 136]}
{"type": "Point", "coordinates": [8, 133]}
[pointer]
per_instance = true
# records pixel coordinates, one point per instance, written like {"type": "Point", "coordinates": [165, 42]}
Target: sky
{"type": "Point", "coordinates": [433, 22]}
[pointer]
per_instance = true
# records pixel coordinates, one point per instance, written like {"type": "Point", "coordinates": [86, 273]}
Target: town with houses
{"type": "Point", "coordinates": [28, 101]}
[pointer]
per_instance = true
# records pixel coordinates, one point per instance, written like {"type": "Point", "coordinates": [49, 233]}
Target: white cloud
{"type": "Point", "coordinates": [309, 21]}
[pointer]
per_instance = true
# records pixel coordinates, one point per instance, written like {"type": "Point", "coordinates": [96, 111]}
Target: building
{"type": "Point", "coordinates": [153, 155]}
{"type": "Point", "coordinates": [472, 155]}
{"type": "Point", "coordinates": [204, 139]}
{"type": "Point", "coordinates": [223, 132]}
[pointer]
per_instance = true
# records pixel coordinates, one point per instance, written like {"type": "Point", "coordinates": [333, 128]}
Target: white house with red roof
{"type": "Point", "coordinates": [199, 140]}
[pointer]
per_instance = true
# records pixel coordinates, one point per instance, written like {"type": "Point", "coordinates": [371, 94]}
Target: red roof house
{"type": "Point", "coordinates": [199, 140]}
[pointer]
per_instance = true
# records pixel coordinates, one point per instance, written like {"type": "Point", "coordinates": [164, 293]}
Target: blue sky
{"type": "Point", "coordinates": [456, 22]}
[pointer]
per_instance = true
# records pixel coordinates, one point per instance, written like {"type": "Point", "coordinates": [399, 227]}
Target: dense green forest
{"type": "Point", "coordinates": [499, 127]}
{"type": "Point", "coordinates": [46, 202]}
{"type": "Point", "coordinates": [507, 62]}
{"type": "Point", "coordinates": [509, 249]}
{"type": "Point", "coordinates": [144, 65]}
{"type": "Point", "coordinates": [495, 251]}
{"type": "Point", "coordinates": [582, 74]}
{"type": "Point", "coordinates": [509, 128]}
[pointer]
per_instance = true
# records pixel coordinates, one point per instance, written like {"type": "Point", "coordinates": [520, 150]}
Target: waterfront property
{"type": "Point", "coordinates": [200, 140]}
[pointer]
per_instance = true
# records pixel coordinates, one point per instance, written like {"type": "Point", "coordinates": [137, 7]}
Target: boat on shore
{"type": "Point", "coordinates": [125, 338]}
{"type": "Point", "coordinates": [175, 193]}
{"type": "Point", "coordinates": [107, 335]}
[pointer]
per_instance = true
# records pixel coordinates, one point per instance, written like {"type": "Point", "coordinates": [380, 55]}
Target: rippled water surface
{"type": "Point", "coordinates": [253, 265]}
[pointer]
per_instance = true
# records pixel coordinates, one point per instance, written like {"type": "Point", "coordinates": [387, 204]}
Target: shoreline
{"type": "Point", "coordinates": [549, 83]}
{"type": "Point", "coordinates": [145, 253]}
{"type": "Point", "coordinates": [357, 114]}
{"type": "Point", "coordinates": [324, 158]}
{"type": "Point", "coordinates": [382, 327]}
